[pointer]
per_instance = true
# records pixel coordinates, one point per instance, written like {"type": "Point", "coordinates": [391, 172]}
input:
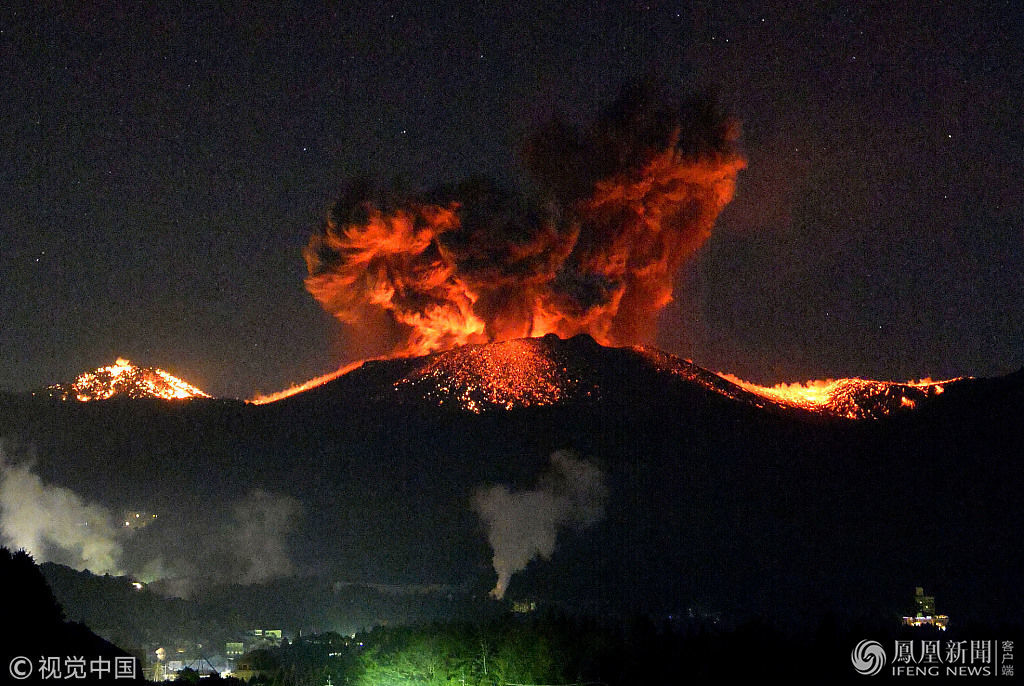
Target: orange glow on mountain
{"type": "Point", "coordinates": [852, 398]}
{"type": "Point", "coordinates": [507, 375]}
{"type": "Point", "coordinates": [545, 371]}
{"type": "Point", "coordinates": [263, 399]}
{"type": "Point", "coordinates": [126, 379]}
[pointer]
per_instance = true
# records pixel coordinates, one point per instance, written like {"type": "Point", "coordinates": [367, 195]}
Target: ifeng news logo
{"type": "Point", "coordinates": [936, 658]}
{"type": "Point", "coordinates": [868, 658]}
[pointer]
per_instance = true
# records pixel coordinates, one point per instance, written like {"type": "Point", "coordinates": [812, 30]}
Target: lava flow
{"type": "Point", "coordinates": [126, 379]}
{"type": "Point", "coordinates": [506, 375]}
{"type": "Point", "coordinates": [851, 398]}
{"type": "Point", "coordinates": [264, 398]}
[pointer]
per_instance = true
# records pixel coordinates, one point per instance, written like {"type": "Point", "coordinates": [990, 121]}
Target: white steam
{"type": "Point", "coordinates": [244, 541]}
{"type": "Point", "coordinates": [523, 525]}
{"type": "Point", "coordinates": [54, 523]}
{"type": "Point", "coordinates": [262, 521]}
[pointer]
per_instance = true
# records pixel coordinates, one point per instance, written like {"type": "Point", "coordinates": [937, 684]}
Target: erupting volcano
{"type": "Point", "coordinates": [126, 379]}
{"type": "Point", "coordinates": [619, 206]}
{"type": "Point", "coordinates": [469, 277]}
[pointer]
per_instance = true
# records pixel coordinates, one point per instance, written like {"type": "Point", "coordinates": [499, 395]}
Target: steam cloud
{"type": "Point", "coordinates": [243, 542]}
{"type": "Point", "coordinates": [524, 525]}
{"type": "Point", "coordinates": [54, 523]}
{"type": "Point", "coordinates": [257, 546]}
{"type": "Point", "coordinates": [620, 205]}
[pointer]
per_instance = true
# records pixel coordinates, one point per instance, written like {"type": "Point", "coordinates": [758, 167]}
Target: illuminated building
{"type": "Point", "coordinates": [925, 614]}
{"type": "Point", "coordinates": [524, 606]}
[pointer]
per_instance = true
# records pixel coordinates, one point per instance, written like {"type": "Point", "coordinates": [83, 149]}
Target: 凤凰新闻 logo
{"type": "Point", "coordinates": [868, 657]}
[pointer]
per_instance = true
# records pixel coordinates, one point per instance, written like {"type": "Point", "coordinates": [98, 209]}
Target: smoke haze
{"type": "Point", "coordinates": [55, 524]}
{"type": "Point", "coordinates": [523, 525]}
{"type": "Point", "coordinates": [243, 541]}
{"type": "Point", "coordinates": [619, 205]}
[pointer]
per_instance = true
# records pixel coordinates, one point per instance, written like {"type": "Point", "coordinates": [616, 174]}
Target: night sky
{"type": "Point", "coordinates": [163, 168]}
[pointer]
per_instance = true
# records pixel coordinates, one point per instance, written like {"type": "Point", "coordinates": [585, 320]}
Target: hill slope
{"type": "Point", "coordinates": [717, 498]}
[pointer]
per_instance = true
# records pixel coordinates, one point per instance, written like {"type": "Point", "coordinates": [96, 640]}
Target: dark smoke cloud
{"type": "Point", "coordinates": [523, 525]}
{"type": "Point", "coordinates": [619, 205]}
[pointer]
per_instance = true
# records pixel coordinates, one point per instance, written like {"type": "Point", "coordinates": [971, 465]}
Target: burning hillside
{"type": "Point", "coordinates": [547, 371]}
{"type": "Point", "coordinates": [850, 398]}
{"type": "Point", "coordinates": [128, 380]}
{"type": "Point", "coordinates": [524, 372]}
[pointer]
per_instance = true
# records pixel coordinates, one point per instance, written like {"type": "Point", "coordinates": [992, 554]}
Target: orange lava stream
{"type": "Point", "coordinates": [263, 399]}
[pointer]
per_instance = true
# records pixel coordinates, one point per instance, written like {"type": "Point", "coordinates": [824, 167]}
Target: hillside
{"type": "Point", "coordinates": [717, 499]}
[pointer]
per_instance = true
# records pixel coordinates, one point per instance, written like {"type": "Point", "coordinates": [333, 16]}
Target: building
{"type": "Point", "coordinates": [925, 614]}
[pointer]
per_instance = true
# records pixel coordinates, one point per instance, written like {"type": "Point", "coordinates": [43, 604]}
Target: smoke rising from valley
{"type": "Point", "coordinates": [54, 523]}
{"type": "Point", "coordinates": [523, 525]}
{"type": "Point", "coordinates": [242, 541]}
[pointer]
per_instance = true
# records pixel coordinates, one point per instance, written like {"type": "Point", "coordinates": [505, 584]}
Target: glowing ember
{"type": "Point", "coordinates": [850, 398]}
{"type": "Point", "coordinates": [847, 398]}
{"type": "Point", "coordinates": [518, 373]}
{"type": "Point", "coordinates": [533, 372]}
{"type": "Point", "coordinates": [124, 378]}
{"type": "Point", "coordinates": [263, 399]}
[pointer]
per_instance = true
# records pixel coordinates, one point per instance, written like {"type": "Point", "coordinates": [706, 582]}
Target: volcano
{"type": "Point", "coordinates": [717, 494]}
{"type": "Point", "coordinates": [531, 372]}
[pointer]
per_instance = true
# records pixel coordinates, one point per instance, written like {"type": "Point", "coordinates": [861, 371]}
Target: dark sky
{"type": "Point", "coordinates": [162, 169]}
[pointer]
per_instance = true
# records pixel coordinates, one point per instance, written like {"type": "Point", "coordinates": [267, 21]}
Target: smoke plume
{"type": "Point", "coordinates": [243, 541]}
{"type": "Point", "coordinates": [257, 542]}
{"type": "Point", "coordinates": [619, 205]}
{"type": "Point", "coordinates": [55, 524]}
{"type": "Point", "coordinates": [523, 525]}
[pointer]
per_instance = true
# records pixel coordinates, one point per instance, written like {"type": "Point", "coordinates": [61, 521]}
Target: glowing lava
{"type": "Point", "coordinates": [125, 379]}
{"type": "Point", "coordinates": [850, 398]}
{"type": "Point", "coordinates": [534, 372]}
{"type": "Point", "coordinates": [263, 399]}
{"type": "Point", "coordinates": [506, 375]}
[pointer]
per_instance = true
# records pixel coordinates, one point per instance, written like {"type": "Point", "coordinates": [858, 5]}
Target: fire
{"type": "Point", "coordinates": [852, 398]}
{"type": "Point", "coordinates": [263, 399]}
{"type": "Point", "coordinates": [595, 252]}
{"type": "Point", "coordinates": [125, 378]}
{"type": "Point", "coordinates": [507, 375]}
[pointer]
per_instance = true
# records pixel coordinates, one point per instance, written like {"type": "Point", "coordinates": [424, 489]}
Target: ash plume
{"type": "Point", "coordinates": [620, 204]}
{"type": "Point", "coordinates": [54, 524]}
{"type": "Point", "coordinates": [523, 525]}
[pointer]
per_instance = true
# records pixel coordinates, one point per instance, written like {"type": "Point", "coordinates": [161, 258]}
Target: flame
{"type": "Point", "coordinates": [852, 398]}
{"type": "Point", "coordinates": [620, 205]}
{"type": "Point", "coordinates": [125, 378]}
{"type": "Point", "coordinates": [506, 375]}
{"type": "Point", "coordinates": [263, 399]}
